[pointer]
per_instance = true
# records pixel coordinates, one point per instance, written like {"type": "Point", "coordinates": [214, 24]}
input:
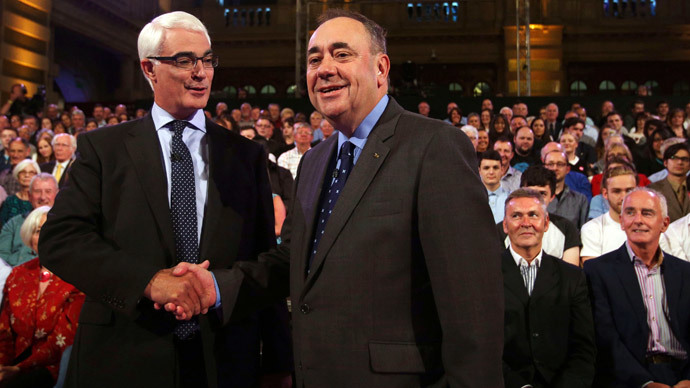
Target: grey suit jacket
{"type": "Point", "coordinates": [676, 210]}
{"type": "Point", "coordinates": [406, 289]}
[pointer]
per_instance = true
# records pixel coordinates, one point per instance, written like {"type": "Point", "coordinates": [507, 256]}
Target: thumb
{"type": "Point", "coordinates": [205, 264]}
{"type": "Point", "coordinates": [181, 269]}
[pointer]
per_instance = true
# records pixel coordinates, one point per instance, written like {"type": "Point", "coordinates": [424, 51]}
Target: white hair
{"type": "Point", "coordinates": [42, 176]}
{"type": "Point", "coordinates": [152, 36]}
{"type": "Point", "coordinates": [31, 224]}
{"type": "Point", "coordinates": [72, 139]}
{"type": "Point", "coordinates": [470, 131]}
{"type": "Point", "coordinates": [24, 164]}
{"type": "Point", "coordinates": [662, 199]}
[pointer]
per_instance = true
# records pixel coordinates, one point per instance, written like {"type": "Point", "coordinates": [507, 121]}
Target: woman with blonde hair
{"type": "Point", "coordinates": [19, 202]}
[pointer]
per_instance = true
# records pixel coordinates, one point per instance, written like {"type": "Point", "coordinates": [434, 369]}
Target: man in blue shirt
{"type": "Point", "coordinates": [490, 172]}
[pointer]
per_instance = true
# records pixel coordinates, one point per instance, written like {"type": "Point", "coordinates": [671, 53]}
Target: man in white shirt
{"type": "Point", "coordinates": [303, 139]}
{"type": "Point", "coordinates": [604, 234]}
{"type": "Point", "coordinates": [676, 239]}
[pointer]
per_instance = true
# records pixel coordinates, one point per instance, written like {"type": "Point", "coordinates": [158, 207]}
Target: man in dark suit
{"type": "Point", "coordinates": [64, 146]}
{"type": "Point", "coordinates": [390, 285]}
{"type": "Point", "coordinates": [144, 196]}
{"type": "Point", "coordinates": [641, 307]}
{"type": "Point", "coordinates": [549, 334]}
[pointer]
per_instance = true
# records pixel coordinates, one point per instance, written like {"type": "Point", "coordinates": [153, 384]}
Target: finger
{"type": "Point", "coordinates": [156, 306]}
{"type": "Point", "coordinates": [170, 307]}
{"type": "Point", "coordinates": [205, 264]}
{"type": "Point", "coordinates": [181, 268]}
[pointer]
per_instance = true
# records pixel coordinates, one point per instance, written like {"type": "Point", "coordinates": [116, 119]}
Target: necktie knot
{"type": "Point", "coordinates": [178, 126]}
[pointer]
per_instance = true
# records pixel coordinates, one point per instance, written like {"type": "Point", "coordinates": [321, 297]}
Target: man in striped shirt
{"type": "Point", "coordinates": [641, 316]}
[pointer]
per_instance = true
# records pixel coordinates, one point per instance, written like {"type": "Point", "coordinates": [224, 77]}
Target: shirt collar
{"type": "Point", "coordinates": [632, 255]}
{"type": "Point", "coordinates": [359, 137]}
{"type": "Point", "coordinates": [161, 118]}
{"type": "Point", "coordinates": [519, 259]}
{"type": "Point", "coordinates": [498, 191]}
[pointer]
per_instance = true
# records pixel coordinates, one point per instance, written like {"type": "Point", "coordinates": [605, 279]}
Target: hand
{"type": "Point", "coordinates": [682, 384]}
{"type": "Point", "coordinates": [7, 372]}
{"type": "Point", "coordinates": [183, 291]}
{"type": "Point", "coordinates": [15, 93]}
{"type": "Point", "coordinates": [207, 294]}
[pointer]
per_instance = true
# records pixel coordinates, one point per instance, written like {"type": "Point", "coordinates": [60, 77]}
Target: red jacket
{"type": "Point", "coordinates": [46, 324]}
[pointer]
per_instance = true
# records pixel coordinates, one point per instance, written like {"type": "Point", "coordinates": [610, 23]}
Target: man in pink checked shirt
{"type": "Point", "coordinates": [641, 303]}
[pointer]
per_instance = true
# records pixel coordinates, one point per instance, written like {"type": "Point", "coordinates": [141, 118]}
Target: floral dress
{"type": "Point", "coordinates": [37, 329]}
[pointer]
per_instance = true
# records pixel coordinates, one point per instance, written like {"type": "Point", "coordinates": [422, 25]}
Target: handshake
{"type": "Point", "coordinates": [184, 290]}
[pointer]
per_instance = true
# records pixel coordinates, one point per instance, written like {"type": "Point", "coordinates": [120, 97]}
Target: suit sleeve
{"type": "Point", "coordinates": [73, 247]}
{"type": "Point", "coordinates": [625, 366]}
{"type": "Point", "coordinates": [578, 370]}
{"type": "Point", "coordinates": [461, 251]}
{"type": "Point", "coordinates": [251, 285]}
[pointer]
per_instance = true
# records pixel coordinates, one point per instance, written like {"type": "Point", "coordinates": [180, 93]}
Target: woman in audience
{"type": "Point", "coordinates": [637, 132]}
{"type": "Point", "coordinates": [540, 133]}
{"type": "Point", "coordinates": [46, 123]}
{"type": "Point", "coordinates": [485, 119]}
{"type": "Point", "coordinates": [651, 160]}
{"type": "Point", "coordinates": [112, 120]}
{"type": "Point", "coordinates": [675, 122]}
{"type": "Point", "coordinates": [19, 203]}
{"type": "Point", "coordinates": [499, 127]}
{"type": "Point", "coordinates": [482, 139]}
{"type": "Point", "coordinates": [615, 152]}
{"type": "Point", "coordinates": [66, 120]}
{"type": "Point", "coordinates": [45, 151]}
{"type": "Point", "coordinates": [600, 146]}
{"type": "Point", "coordinates": [455, 116]}
{"type": "Point", "coordinates": [91, 124]}
{"type": "Point", "coordinates": [569, 143]}
{"type": "Point", "coordinates": [38, 319]}
{"type": "Point", "coordinates": [59, 127]}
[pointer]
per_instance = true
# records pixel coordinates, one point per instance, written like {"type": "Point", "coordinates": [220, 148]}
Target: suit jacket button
{"type": "Point", "coordinates": [305, 308]}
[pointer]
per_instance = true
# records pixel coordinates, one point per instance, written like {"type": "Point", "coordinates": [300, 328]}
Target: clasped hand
{"type": "Point", "coordinates": [184, 290]}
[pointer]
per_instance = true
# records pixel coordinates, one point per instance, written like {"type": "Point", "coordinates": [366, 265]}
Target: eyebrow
{"type": "Point", "coordinates": [191, 54]}
{"type": "Point", "coordinates": [334, 46]}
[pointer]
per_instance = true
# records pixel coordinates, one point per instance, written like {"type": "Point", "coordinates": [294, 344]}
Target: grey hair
{"type": "Point", "coordinates": [301, 124]}
{"type": "Point", "coordinates": [42, 176]}
{"type": "Point", "coordinates": [77, 112]}
{"type": "Point", "coordinates": [470, 131]}
{"type": "Point", "coordinates": [31, 224]}
{"type": "Point", "coordinates": [22, 165]}
{"type": "Point", "coordinates": [662, 199]}
{"type": "Point", "coordinates": [152, 36]}
{"type": "Point", "coordinates": [377, 34]}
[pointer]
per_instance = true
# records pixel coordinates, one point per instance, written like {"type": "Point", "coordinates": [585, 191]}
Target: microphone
{"type": "Point", "coordinates": [175, 157]}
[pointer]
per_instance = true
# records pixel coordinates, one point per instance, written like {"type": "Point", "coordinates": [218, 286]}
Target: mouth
{"type": "Point", "coordinates": [326, 90]}
{"type": "Point", "coordinates": [196, 89]}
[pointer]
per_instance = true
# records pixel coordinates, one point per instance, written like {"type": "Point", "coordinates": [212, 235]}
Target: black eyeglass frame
{"type": "Point", "coordinates": [175, 58]}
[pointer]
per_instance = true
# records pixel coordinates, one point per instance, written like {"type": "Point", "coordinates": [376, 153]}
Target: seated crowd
{"type": "Point", "coordinates": [566, 192]}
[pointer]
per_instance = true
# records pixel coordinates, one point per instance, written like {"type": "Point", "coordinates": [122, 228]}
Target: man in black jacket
{"type": "Point", "coordinates": [549, 334]}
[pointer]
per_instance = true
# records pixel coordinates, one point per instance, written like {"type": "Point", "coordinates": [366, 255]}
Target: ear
{"type": "Point", "coordinates": [505, 228]}
{"type": "Point", "coordinates": [148, 68]}
{"type": "Point", "coordinates": [383, 67]}
{"type": "Point", "coordinates": [605, 193]}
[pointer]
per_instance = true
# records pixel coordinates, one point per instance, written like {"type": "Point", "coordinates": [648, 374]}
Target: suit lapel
{"type": "Point", "coordinates": [512, 280]}
{"type": "Point", "coordinates": [625, 271]}
{"type": "Point", "coordinates": [547, 278]}
{"type": "Point", "coordinates": [144, 151]}
{"type": "Point", "coordinates": [217, 152]}
{"type": "Point", "coordinates": [370, 160]}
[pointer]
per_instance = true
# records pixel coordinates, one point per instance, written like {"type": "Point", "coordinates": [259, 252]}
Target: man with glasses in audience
{"type": "Point", "coordinates": [675, 187]}
{"type": "Point", "coordinates": [568, 203]}
{"type": "Point", "coordinates": [64, 146]}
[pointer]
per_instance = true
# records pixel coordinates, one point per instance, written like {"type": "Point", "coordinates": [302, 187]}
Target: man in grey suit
{"type": "Point", "coordinates": [390, 284]}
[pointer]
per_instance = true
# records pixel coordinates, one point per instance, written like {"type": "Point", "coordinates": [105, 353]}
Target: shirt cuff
{"type": "Point", "coordinates": [646, 384]}
{"type": "Point", "coordinates": [215, 283]}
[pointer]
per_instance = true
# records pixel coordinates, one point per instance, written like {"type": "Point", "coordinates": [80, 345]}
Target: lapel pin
{"type": "Point", "coordinates": [376, 155]}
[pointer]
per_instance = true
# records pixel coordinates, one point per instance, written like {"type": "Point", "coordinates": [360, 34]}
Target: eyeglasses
{"type": "Point", "coordinates": [554, 165]}
{"type": "Point", "coordinates": [683, 159]}
{"type": "Point", "coordinates": [188, 61]}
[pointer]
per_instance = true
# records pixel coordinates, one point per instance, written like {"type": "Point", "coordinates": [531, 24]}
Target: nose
{"type": "Point", "coordinates": [326, 67]}
{"type": "Point", "coordinates": [199, 70]}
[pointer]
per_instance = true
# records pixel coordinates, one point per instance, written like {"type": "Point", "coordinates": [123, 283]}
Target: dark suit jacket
{"type": "Point", "coordinates": [401, 293]}
{"type": "Point", "coordinates": [110, 231]}
{"type": "Point", "coordinates": [64, 178]}
{"type": "Point", "coordinates": [676, 210]}
{"type": "Point", "coordinates": [621, 318]}
{"type": "Point", "coordinates": [551, 332]}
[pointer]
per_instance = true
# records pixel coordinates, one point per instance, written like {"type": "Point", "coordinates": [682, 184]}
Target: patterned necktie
{"type": "Point", "coordinates": [183, 211]}
{"type": "Point", "coordinates": [340, 175]}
